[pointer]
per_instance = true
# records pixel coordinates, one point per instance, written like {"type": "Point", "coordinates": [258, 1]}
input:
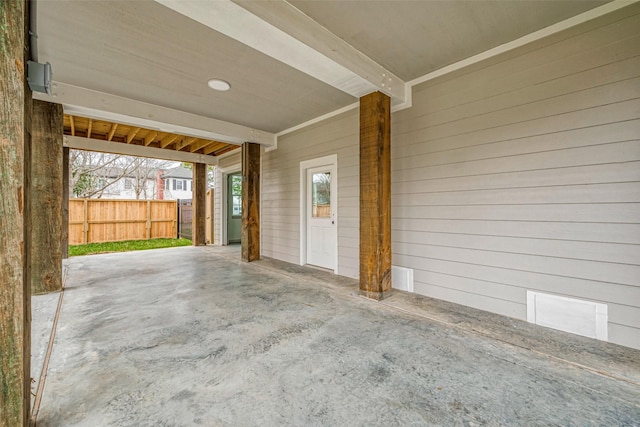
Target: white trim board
{"type": "Point", "coordinates": [332, 160]}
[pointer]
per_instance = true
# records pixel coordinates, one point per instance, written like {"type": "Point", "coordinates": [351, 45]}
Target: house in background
{"type": "Point", "coordinates": [115, 183]}
{"type": "Point", "coordinates": [176, 183]}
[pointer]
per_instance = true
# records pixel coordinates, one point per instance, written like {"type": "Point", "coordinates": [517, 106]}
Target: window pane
{"type": "Point", "coordinates": [236, 194]}
{"type": "Point", "coordinates": [321, 195]}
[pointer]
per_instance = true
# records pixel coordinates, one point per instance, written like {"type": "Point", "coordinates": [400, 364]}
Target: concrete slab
{"type": "Point", "coordinates": [191, 336]}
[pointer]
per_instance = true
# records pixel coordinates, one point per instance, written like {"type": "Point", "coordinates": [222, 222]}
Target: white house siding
{"type": "Point", "coordinates": [522, 172]}
{"type": "Point", "coordinates": [225, 162]}
{"type": "Point", "coordinates": [280, 233]}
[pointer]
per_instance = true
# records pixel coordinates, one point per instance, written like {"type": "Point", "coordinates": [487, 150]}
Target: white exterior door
{"type": "Point", "coordinates": [321, 217]}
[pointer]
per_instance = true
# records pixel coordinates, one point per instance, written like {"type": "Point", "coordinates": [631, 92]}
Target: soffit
{"type": "Point", "coordinates": [144, 51]}
{"type": "Point", "coordinates": [413, 38]}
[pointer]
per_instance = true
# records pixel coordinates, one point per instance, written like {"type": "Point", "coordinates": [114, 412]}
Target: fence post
{"type": "Point", "coordinates": [85, 224]}
{"type": "Point", "coordinates": [178, 218]}
{"type": "Point", "coordinates": [148, 219]}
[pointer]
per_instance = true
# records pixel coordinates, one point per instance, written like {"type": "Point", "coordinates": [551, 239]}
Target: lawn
{"type": "Point", "coordinates": [126, 246]}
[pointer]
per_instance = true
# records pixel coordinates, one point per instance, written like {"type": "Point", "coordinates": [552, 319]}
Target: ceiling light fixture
{"type": "Point", "coordinates": [217, 84]}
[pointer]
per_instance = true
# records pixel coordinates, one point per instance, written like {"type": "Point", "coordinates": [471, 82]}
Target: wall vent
{"type": "Point", "coordinates": [402, 278]}
{"type": "Point", "coordinates": [580, 317]}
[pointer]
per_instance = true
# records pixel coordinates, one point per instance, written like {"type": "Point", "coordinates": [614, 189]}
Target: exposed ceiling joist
{"type": "Point", "coordinates": [283, 32]}
{"type": "Point", "coordinates": [185, 142]}
{"type": "Point", "coordinates": [73, 127]}
{"type": "Point", "coordinates": [150, 137]}
{"type": "Point", "coordinates": [114, 127]}
{"type": "Point", "coordinates": [132, 134]}
{"type": "Point", "coordinates": [103, 146]}
{"type": "Point", "coordinates": [103, 106]}
{"type": "Point", "coordinates": [200, 144]}
{"type": "Point", "coordinates": [167, 140]}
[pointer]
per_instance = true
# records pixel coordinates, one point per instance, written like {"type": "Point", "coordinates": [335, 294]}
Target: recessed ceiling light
{"type": "Point", "coordinates": [217, 84]}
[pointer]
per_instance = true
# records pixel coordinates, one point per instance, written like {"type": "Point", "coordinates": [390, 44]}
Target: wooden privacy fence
{"type": "Point", "coordinates": [107, 220]}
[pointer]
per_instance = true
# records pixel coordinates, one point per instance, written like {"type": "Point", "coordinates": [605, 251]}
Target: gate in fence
{"type": "Point", "coordinates": [185, 215]}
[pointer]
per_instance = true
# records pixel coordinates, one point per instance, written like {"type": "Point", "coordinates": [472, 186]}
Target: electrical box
{"type": "Point", "coordinates": [39, 77]}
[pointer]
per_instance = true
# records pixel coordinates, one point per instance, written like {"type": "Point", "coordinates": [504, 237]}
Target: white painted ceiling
{"type": "Point", "coordinates": [413, 38]}
{"type": "Point", "coordinates": [145, 51]}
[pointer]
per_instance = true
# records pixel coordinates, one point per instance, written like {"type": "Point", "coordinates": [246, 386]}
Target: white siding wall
{"type": "Point", "coordinates": [524, 173]}
{"type": "Point", "coordinates": [280, 205]}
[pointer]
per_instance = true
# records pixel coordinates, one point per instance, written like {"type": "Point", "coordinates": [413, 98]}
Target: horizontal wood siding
{"type": "Point", "coordinates": [523, 172]}
{"type": "Point", "coordinates": [281, 189]}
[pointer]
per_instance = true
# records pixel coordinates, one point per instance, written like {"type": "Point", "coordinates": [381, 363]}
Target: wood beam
{"type": "Point", "coordinates": [198, 201]}
{"type": "Point", "coordinates": [375, 195]}
{"type": "Point", "coordinates": [89, 128]}
{"type": "Point", "coordinates": [65, 202]}
{"type": "Point", "coordinates": [46, 197]}
{"type": "Point", "coordinates": [250, 202]}
{"type": "Point", "coordinates": [15, 292]}
{"type": "Point", "coordinates": [132, 134]}
{"type": "Point", "coordinates": [150, 137]}
{"type": "Point", "coordinates": [103, 146]}
{"type": "Point", "coordinates": [73, 126]}
{"type": "Point", "coordinates": [114, 126]}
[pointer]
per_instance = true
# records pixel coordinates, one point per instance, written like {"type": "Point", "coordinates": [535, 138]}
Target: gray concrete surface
{"type": "Point", "coordinates": [191, 336]}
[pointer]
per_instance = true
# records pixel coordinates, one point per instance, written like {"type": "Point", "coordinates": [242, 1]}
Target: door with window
{"type": "Point", "coordinates": [321, 217]}
{"type": "Point", "coordinates": [234, 208]}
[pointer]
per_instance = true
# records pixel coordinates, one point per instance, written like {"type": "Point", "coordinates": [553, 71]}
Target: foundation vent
{"type": "Point", "coordinates": [580, 317]}
{"type": "Point", "coordinates": [402, 278]}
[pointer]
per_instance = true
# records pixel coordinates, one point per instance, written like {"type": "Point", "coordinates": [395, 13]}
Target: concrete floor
{"type": "Point", "coordinates": [191, 336]}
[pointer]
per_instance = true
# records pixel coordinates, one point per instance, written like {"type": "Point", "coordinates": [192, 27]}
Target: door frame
{"type": "Point", "coordinates": [224, 240]}
{"type": "Point", "coordinates": [332, 161]}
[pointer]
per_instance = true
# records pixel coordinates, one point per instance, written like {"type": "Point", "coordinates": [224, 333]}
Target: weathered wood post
{"type": "Point", "coordinates": [250, 201]}
{"type": "Point", "coordinates": [15, 291]}
{"type": "Point", "coordinates": [46, 197]}
{"type": "Point", "coordinates": [198, 202]}
{"type": "Point", "coordinates": [375, 195]}
{"type": "Point", "coordinates": [65, 203]}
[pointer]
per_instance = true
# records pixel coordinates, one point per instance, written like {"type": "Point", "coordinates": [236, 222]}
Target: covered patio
{"type": "Point", "coordinates": [216, 341]}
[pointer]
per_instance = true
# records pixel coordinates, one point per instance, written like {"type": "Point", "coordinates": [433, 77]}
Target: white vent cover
{"type": "Point", "coordinates": [402, 278]}
{"type": "Point", "coordinates": [586, 318]}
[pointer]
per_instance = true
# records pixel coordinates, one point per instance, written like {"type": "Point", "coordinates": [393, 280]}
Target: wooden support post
{"type": "Point", "coordinates": [65, 203]}
{"type": "Point", "coordinates": [15, 289]}
{"type": "Point", "coordinates": [375, 195]}
{"type": "Point", "coordinates": [199, 215]}
{"type": "Point", "coordinates": [250, 201]}
{"type": "Point", "coordinates": [46, 197]}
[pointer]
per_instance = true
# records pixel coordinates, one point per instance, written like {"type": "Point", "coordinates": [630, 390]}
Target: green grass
{"type": "Point", "coordinates": [129, 245]}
